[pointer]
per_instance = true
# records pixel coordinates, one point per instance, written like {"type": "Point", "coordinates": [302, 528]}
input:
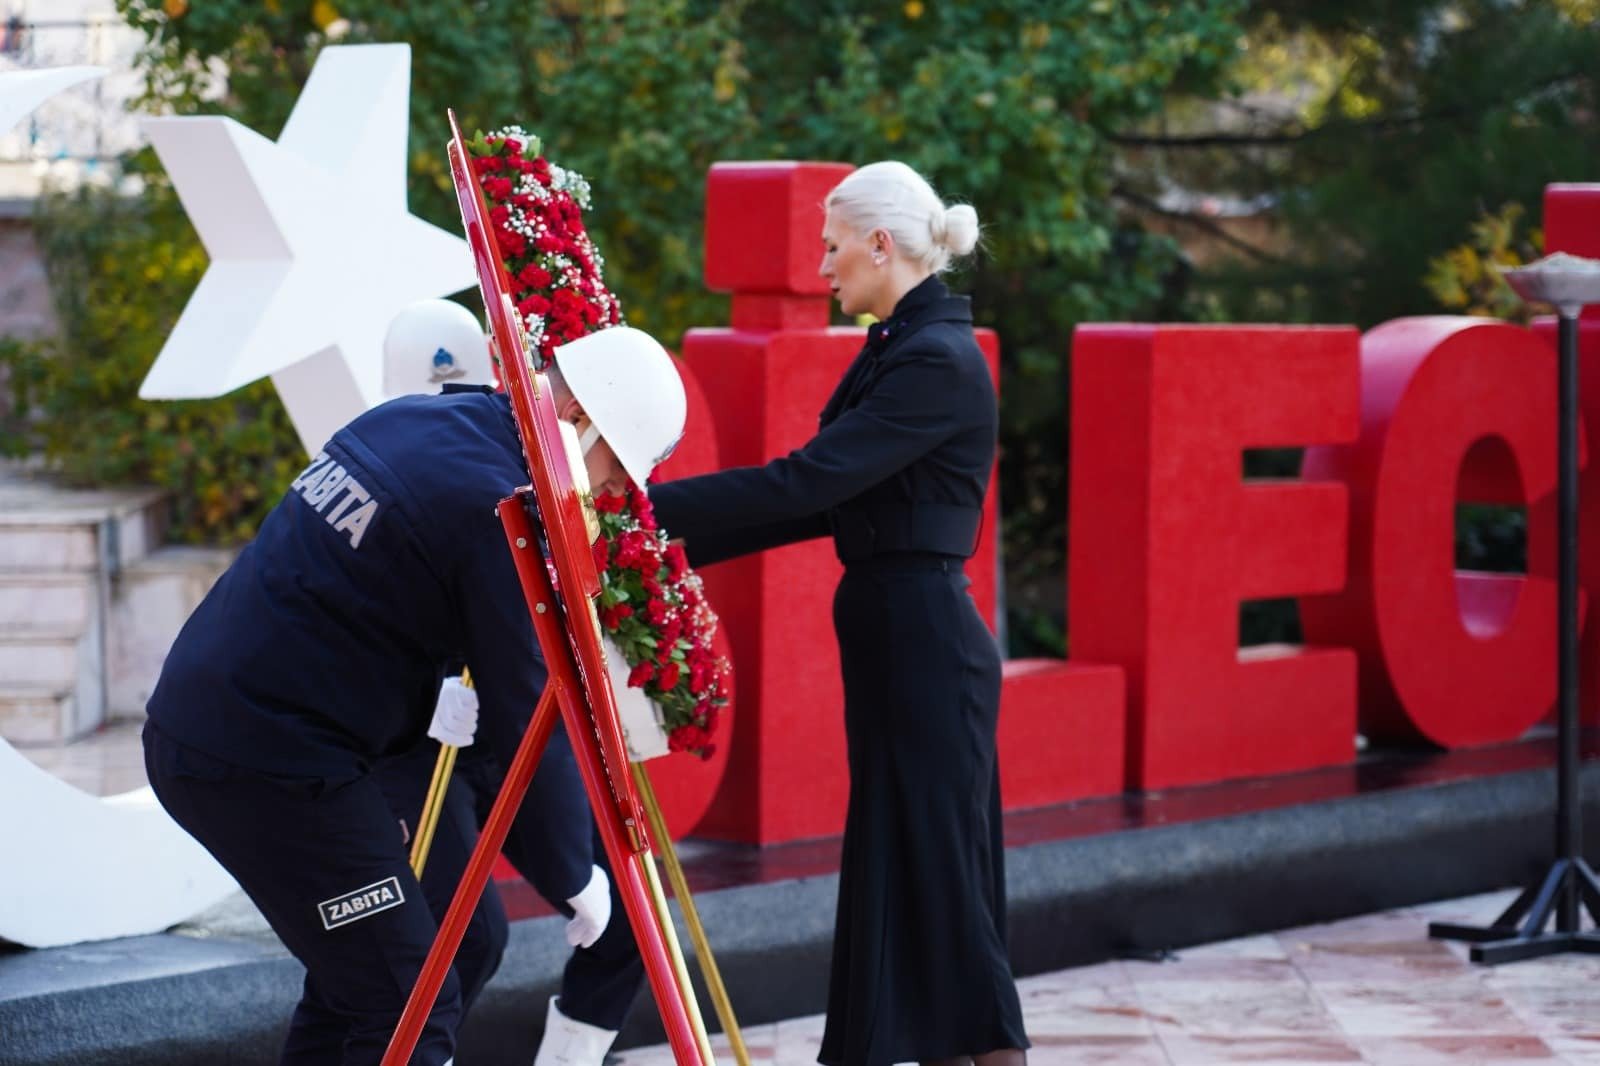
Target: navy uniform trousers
{"type": "Point", "coordinates": [295, 844]}
{"type": "Point", "coordinates": [601, 981]}
{"type": "Point", "coordinates": [326, 864]}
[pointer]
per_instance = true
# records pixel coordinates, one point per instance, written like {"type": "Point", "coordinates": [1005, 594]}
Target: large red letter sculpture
{"type": "Point", "coordinates": [766, 377]}
{"type": "Point", "coordinates": [1167, 539]}
{"type": "Point", "coordinates": [1455, 659]}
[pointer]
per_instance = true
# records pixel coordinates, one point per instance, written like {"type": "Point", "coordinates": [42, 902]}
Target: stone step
{"type": "Point", "coordinates": [50, 659]}
{"type": "Point", "coordinates": [25, 548]}
{"type": "Point", "coordinates": [63, 555]}
{"type": "Point", "coordinates": [33, 605]}
{"type": "Point", "coordinates": [154, 597]}
{"type": "Point", "coordinates": [45, 527]}
{"type": "Point", "coordinates": [38, 714]}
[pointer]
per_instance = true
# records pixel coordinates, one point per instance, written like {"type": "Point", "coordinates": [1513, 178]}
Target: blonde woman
{"type": "Point", "coordinates": [896, 475]}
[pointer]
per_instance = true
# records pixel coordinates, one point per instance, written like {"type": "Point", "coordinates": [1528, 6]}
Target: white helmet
{"type": "Point", "coordinates": [630, 389]}
{"type": "Point", "coordinates": [432, 342]}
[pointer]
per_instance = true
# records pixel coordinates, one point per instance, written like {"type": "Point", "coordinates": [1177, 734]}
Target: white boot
{"type": "Point", "coordinates": [568, 1042]}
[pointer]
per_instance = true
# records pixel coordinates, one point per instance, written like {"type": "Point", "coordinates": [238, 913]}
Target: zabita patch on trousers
{"type": "Point", "coordinates": [362, 903]}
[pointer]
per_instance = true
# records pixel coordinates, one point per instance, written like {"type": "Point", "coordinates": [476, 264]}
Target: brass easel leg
{"type": "Point", "coordinates": [691, 916]}
{"type": "Point", "coordinates": [431, 807]}
{"type": "Point", "coordinates": [680, 969]}
{"type": "Point", "coordinates": [443, 767]}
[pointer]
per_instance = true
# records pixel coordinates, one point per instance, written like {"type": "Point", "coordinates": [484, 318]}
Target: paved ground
{"type": "Point", "coordinates": [1371, 990]}
{"type": "Point", "coordinates": [104, 764]}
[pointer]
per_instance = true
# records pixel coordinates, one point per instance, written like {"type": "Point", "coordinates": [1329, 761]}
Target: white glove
{"type": "Point", "coordinates": [591, 911]}
{"type": "Point", "coordinates": [455, 718]}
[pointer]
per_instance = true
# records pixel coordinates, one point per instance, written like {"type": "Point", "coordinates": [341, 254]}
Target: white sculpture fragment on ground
{"type": "Point", "coordinates": [80, 867]}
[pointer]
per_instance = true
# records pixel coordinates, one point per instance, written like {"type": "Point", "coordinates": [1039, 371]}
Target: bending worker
{"type": "Point", "coordinates": [430, 344]}
{"type": "Point", "coordinates": [322, 650]}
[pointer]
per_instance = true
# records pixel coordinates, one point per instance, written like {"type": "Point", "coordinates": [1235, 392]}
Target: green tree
{"type": "Point", "coordinates": [1012, 105]}
{"type": "Point", "coordinates": [120, 270]}
{"type": "Point", "coordinates": [1383, 132]}
{"type": "Point", "coordinates": [1467, 278]}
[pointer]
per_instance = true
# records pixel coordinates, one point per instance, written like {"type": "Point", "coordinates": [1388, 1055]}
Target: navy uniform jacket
{"type": "Point", "coordinates": [322, 648]}
{"type": "Point", "coordinates": [901, 460]}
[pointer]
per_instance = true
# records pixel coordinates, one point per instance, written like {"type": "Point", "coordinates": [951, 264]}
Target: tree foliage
{"type": "Point", "coordinates": [120, 271]}
{"type": "Point", "coordinates": [1009, 104]}
{"type": "Point", "coordinates": [1468, 279]}
{"type": "Point", "coordinates": [1382, 132]}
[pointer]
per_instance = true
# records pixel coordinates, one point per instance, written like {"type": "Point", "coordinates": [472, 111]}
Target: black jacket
{"type": "Point", "coordinates": [900, 462]}
{"type": "Point", "coordinates": [321, 649]}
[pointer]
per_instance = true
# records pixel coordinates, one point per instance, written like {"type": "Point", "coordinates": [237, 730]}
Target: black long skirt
{"type": "Point", "coordinates": [919, 951]}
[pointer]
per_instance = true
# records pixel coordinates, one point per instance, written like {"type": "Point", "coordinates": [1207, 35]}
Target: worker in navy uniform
{"type": "Point", "coordinates": [428, 344]}
{"type": "Point", "coordinates": [896, 475]}
{"type": "Point", "coordinates": [322, 649]}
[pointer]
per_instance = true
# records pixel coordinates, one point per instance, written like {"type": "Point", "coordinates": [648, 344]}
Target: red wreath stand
{"type": "Point", "coordinates": [549, 540]}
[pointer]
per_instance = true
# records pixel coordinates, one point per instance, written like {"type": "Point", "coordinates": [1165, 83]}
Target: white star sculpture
{"type": "Point", "coordinates": [313, 250]}
{"type": "Point", "coordinates": [23, 90]}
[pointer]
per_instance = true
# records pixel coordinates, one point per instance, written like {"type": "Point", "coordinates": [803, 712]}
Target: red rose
{"type": "Point", "coordinates": [641, 673]}
{"type": "Point", "coordinates": [656, 612]}
{"type": "Point", "coordinates": [486, 164]}
{"type": "Point", "coordinates": [673, 630]}
{"type": "Point", "coordinates": [497, 188]}
{"type": "Point", "coordinates": [609, 503]}
{"type": "Point", "coordinates": [548, 243]}
{"type": "Point", "coordinates": [512, 245]}
{"type": "Point", "coordinates": [677, 561]}
{"type": "Point", "coordinates": [611, 617]}
{"type": "Point", "coordinates": [513, 146]}
{"type": "Point", "coordinates": [534, 276]}
{"type": "Point", "coordinates": [534, 305]}
{"type": "Point", "coordinates": [668, 679]}
{"type": "Point", "coordinates": [630, 546]}
{"type": "Point", "coordinates": [701, 674]}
